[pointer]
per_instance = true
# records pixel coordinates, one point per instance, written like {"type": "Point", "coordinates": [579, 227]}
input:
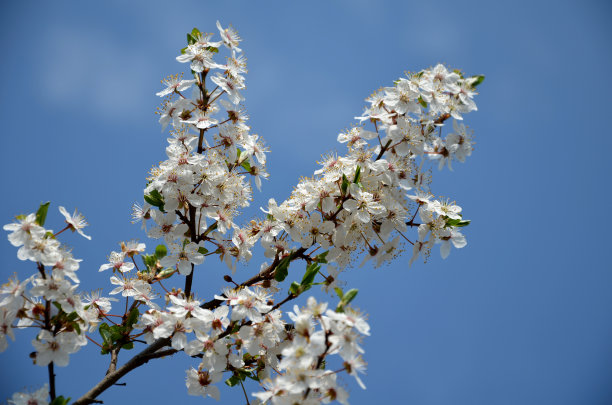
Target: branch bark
{"type": "Point", "coordinates": [111, 378]}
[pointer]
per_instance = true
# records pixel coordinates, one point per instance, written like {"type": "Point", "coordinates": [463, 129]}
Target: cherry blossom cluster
{"type": "Point", "coordinates": [317, 332]}
{"type": "Point", "coordinates": [367, 200]}
{"type": "Point", "coordinates": [360, 205]}
{"type": "Point", "coordinates": [203, 183]}
{"type": "Point", "coordinates": [47, 299]}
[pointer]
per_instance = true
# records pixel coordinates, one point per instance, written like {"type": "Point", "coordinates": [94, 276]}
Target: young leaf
{"type": "Point", "coordinates": [345, 184]}
{"type": "Point", "coordinates": [232, 381]}
{"type": "Point", "coordinates": [349, 296]}
{"type": "Point", "coordinates": [346, 299]}
{"type": "Point", "coordinates": [155, 199]}
{"type": "Point", "coordinates": [161, 251]}
{"type": "Point", "coordinates": [457, 222]}
{"type": "Point", "coordinates": [422, 102]}
{"type": "Point", "coordinates": [246, 165]}
{"type": "Point", "coordinates": [295, 288]}
{"type": "Point", "coordinates": [476, 80]}
{"type": "Point", "coordinates": [282, 271]}
{"type": "Point", "coordinates": [105, 332]}
{"type": "Point", "coordinates": [320, 258]}
{"type": "Point", "coordinates": [41, 214]}
{"type": "Point", "coordinates": [60, 401]}
{"type": "Point", "coordinates": [72, 316]}
{"type": "Point", "coordinates": [132, 317]}
{"type": "Point", "coordinates": [116, 332]}
{"type": "Point", "coordinates": [311, 272]}
{"type": "Point", "coordinates": [357, 175]}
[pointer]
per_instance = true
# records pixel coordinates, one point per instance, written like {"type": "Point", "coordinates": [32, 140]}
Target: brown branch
{"type": "Point", "coordinates": [113, 363]}
{"type": "Point", "coordinates": [111, 378]}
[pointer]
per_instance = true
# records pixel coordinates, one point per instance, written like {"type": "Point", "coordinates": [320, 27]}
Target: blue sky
{"type": "Point", "coordinates": [522, 315]}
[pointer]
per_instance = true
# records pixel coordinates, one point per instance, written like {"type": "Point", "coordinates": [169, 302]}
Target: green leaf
{"type": "Point", "coordinates": [77, 328]}
{"type": "Point", "coordinates": [253, 376]}
{"type": "Point", "coordinates": [150, 261]}
{"type": "Point", "coordinates": [41, 214]}
{"type": "Point", "coordinates": [106, 334]}
{"type": "Point", "coordinates": [116, 332]}
{"type": "Point", "coordinates": [212, 49]}
{"type": "Point", "coordinates": [321, 257]}
{"type": "Point", "coordinates": [476, 80]}
{"type": "Point", "coordinates": [282, 271]}
{"type": "Point", "coordinates": [211, 228]}
{"type": "Point", "coordinates": [345, 184]}
{"type": "Point", "coordinates": [60, 400]}
{"type": "Point", "coordinates": [311, 272]}
{"type": "Point", "coordinates": [128, 346]}
{"type": "Point", "coordinates": [232, 381]}
{"type": "Point", "coordinates": [246, 165]}
{"type": "Point", "coordinates": [132, 317]}
{"type": "Point", "coordinates": [357, 175]}
{"type": "Point", "coordinates": [72, 316]}
{"type": "Point", "coordinates": [339, 292]}
{"type": "Point", "coordinates": [161, 251]}
{"type": "Point", "coordinates": [422, 102]}
{"type": "Point", "coordinates": [190, 39]}
{"type": "Point", "coordinates": [155, 199]}
{"type": "Point", "coordinates": [202, 250]}
{"type": "Point", "coordinates": [349, 296]}
{"type": "Point", "coordinates": [295, 288]}
{"type": "Point", "coordinates": [457, 222]}
{"type": "Point", "coordinates": [183, 50]}
{"type": "Point", "coordinates": [195, 32]}
{"type": "Point", "coordinates": [346, 299]}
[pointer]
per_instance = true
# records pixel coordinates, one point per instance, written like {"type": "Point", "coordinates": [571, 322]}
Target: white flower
{"type": "Point", "coordinates": [56, 348]}
{"type": "Point", "coordinates": [199, 383]}
{"type": "Point", "coordinates": [75, 222]}
{"type": "Point", "coordinates": [24, 230]}
{"type": "Point", "coordinates": [185, 256]}
{"type": "Point", "coordinates": [38, 397]}
{"type": "Point", "coordinates": [230, 37]}
{"type": "Point", "coordinates": [117, 262]}
{"type": "Point", "coordinates": [174, 84]}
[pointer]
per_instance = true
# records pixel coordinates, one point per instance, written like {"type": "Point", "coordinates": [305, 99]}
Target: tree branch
{"type": "Point", "coordinates": [113, 363]}
{"type": "Point", "coordinates": [111, 378]}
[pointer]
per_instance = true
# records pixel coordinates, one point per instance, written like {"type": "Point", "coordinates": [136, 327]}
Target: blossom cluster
{"type": "Point", "coordinates": [368, 199]}
{"type": "Point", "coordinates": [55, 283]}
{"type": "Point", "coordinates": [202, 185]}
{"type": "Point", "coordinates": [358, 205]}
{"type": "Point", "coordinates": [317, 333]}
